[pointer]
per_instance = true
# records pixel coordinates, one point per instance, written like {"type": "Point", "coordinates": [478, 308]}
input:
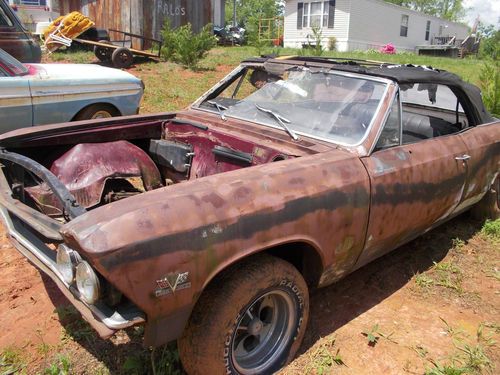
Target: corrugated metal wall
{"type": "Point", "coordinates": [144, 17]}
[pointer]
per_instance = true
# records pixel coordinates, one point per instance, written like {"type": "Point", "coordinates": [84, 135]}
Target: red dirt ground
{"type": "Point", "coordinates": [417, 326]}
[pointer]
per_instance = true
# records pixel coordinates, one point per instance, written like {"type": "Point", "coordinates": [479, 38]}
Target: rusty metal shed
{"type": "Point", "coordinates": [146, 17]}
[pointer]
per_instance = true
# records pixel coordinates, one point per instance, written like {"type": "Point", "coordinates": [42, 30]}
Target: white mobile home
{"type": "Point", "coordinates": [365, 24]}
{"type": "Point", "coordinates": [32, 12]}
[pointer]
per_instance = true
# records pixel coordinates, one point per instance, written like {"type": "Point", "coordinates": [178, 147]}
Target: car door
{"type": "Point", "coordinates": [16, 110]}
{"type": "Point", "coordinates": [482, 161]}
{"type": "Point", "coordinates": [414, 186]}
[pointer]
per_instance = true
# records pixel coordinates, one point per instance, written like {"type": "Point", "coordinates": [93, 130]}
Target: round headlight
{"type": "Point", "coordinates": [87, 282]}
{"type": "Point", "coordinates": [67, 260]}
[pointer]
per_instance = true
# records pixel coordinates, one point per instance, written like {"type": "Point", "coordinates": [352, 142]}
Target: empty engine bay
{"type": "Point", "coordinates": [98, 173]}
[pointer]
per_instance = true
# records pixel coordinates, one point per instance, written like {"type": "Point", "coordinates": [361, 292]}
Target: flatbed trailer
{"type": "Point", "coordinates": [120, 52]}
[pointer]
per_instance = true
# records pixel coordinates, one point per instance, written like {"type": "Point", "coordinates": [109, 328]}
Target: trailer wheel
{"type": "Point", "coordinates": [250, 321]}
{"type": "Point", "coordinates": [103, 53]}
{"type": "Point", "coordinates": [122, 57]}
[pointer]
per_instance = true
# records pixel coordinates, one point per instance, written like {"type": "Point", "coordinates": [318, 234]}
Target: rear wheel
{"type": "Point", "coordinates": [97, 111]}
{"type": "Point", "coordinates": [489, 206]}
{"type": "Point", "coordinates": [251, 321]}
{"type": "Point", "coordinates": [122, 58]}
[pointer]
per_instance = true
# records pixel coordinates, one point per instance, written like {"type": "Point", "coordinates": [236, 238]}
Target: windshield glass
{"type": "Point", "coordinates": [326, 105]}
{"type": "Point", "coordinates": [11, 65]}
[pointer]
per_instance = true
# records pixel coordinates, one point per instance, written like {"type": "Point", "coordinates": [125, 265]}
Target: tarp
{"type": "Point", "coordinates": [65, 28]}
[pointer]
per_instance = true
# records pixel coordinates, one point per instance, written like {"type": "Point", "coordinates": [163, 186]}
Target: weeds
{"type": "Point", "coordinates": [11, 361]}
{"type": "Point", "coordinates": [457, 244]}
{"type": "Point", "coordinates": [375, 334]}
{"type": "Point", "coordinates": [62, 366]}
{"type": "Point", "coordinates": [372, 335]}
{"type": "Point", "coordinates": [423, 281]}
{"type": "Point", "coordinates": [470, 358]}
{"type": "Point", "coordinates": [491, 229]}
{"type": "Point", "coordinates": [489, 78]}
{"type": "Point", "coordinates": [161, 361]}
{"type": "Point", "coordinates": [323, 359]}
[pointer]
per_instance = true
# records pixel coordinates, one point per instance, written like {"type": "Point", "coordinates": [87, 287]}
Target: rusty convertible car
{"type": "Point", "coordinates": [209, 225]}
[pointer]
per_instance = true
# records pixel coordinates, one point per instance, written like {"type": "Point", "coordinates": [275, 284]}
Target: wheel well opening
{"type": "Point", "coordinates": [108, 106]}
{"type": "Point", "coordinates": [302, 256]}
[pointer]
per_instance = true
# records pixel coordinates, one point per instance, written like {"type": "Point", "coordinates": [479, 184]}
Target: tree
{"type": "Point", "coordinates": [248, 12]}
{"type": "Point", "coordinates": [490, 41]}
{"type": "Point", "coordinates": [452, 10]}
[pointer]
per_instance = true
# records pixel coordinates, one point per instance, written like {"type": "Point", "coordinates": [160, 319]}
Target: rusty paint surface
{"type": "Point", "coordinates": [87, 167]}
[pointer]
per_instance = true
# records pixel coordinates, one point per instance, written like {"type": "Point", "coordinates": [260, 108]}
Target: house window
{"type": "Point", "coordinates": [404, 25]}
{"type": "Point", "coordinates": [31, 2]}
{"type": "Point", "coordinates": [315, 14]}
{"type": "Point", "coordinates": [427, 30]}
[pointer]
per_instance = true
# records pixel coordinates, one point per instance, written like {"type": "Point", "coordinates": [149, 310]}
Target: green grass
{"type": "Point", "coordinates": [171, 87]}
{"type": "Point", "coordinates": [76, 57]}
{"type": "Point", "coordinates": [467, 68]}
{"type": "Point", "coordinates": [491, 228]}
{"type": "Point", "coordinates": [324, 358]}
{"type": "Point", "coordinates": [61, 366]}
{"type": "Point", "coordinates": [12, 361]}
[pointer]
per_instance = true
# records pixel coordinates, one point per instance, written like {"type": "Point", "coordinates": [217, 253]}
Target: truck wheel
{"type": "Point", "coordinates": [96, 111]}
{"type": "Point", "coordinates": [250, 321]}
{"type": "Point", "coordinates": [489, 206]}
{"type": "Point", "coordinates": [122, 57]}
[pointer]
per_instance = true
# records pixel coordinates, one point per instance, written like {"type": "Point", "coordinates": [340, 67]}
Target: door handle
{"type": "Point", "coordinates": [464, 157]}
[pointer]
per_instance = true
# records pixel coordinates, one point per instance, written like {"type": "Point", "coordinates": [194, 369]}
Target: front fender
{"type": "Point", "coordinates": [200, 227]}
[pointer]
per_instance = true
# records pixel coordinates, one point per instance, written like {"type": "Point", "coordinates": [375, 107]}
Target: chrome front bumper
{"type": "Point", "coordinates": [102, 318]}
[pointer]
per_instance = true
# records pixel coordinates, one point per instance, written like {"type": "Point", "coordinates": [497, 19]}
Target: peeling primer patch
{"type": "Point", "coordinates": [401, 155]}
{"type": "Point", "coordinates": [216, 229]}
{"type": "Point", "coordinates": [383, 168]}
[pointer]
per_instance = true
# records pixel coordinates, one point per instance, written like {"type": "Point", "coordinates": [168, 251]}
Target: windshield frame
{"type": "Point", "coordinates": [237, 74]}
{"type": "Point", "coordinates": [11, 65]}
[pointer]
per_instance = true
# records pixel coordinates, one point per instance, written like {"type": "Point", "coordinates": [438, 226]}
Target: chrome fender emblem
{"type": "Point", "coordinates": [171, 283]}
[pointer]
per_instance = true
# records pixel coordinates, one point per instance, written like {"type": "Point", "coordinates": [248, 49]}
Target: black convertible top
{"type": "Point", "coordinates": [469, 94]}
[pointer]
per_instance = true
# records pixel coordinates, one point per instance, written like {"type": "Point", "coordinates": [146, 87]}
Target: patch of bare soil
{"type": "Point", "coordinates": [431, 303]}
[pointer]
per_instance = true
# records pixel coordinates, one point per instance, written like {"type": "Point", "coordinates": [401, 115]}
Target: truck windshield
{"type": "Point", "coordinates": [11, 65]}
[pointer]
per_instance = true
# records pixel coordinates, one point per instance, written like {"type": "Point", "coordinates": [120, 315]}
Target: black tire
{"type": "Point", "coordinates": [251, 320]}
{"type": "Point", "coordinates": [489, 206]}
{"type": "Point", "coordinates": [102, 53]}
{"type": "Point", "coordinates": [122, 58]}
{"type": "Point", "coordinates": [97, 111]}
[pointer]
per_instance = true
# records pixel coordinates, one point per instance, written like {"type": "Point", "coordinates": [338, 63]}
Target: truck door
{"type": "Point", "coordinates": [15, 39]}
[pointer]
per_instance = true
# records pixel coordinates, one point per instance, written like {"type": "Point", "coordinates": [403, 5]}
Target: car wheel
{"type": "Point", "coordinates": [97, 111]}
{"type": "Point", "coordinates": [103, 53]}
{"type": "Point", "coordinates": [250, 321]}
{"type": "Point", "coordinates": [489, 206]}
{"type": "Point", "coordinates": [122, 57]}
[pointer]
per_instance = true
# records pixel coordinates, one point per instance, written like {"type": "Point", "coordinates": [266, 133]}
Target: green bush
{"type": "Point", "coordinates": [184, 46]}
{"type": "Point", "coordinates": [489, 77]}
{"type": "Point", "coordinates": [169, 41]}
{"type": "Point", "coordinates": [318, 38]}
{"type": "Point", "coordinates": [332, 43]}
